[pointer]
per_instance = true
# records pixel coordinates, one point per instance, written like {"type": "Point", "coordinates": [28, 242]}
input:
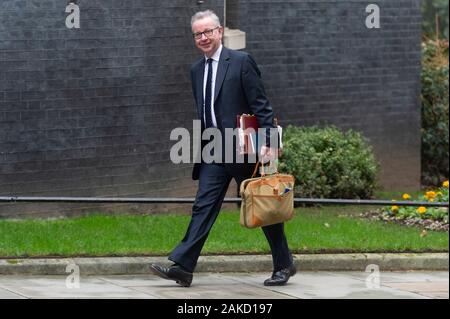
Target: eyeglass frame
{"type": "Point", "coordinates": [198, 35]}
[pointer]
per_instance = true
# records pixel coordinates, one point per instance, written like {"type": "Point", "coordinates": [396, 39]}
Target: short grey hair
{"type": "Point", "coordinates": [205, 14]}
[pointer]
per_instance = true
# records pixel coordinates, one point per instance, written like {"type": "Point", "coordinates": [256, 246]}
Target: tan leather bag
{"type": "Point", "coordinates": [267, 200]}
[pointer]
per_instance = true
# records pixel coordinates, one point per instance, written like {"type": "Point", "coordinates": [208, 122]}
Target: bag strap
{"type": "Point", "coordinates": [256, 169]}
{"type": "Point", "coordinates": [262, 165]}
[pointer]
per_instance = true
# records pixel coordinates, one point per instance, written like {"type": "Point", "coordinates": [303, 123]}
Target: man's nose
{"type": "Point", "coordinates": [203, 35]}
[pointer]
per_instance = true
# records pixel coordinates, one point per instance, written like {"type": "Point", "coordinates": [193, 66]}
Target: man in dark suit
{"type": "Point", "coordinates": [225, 84]}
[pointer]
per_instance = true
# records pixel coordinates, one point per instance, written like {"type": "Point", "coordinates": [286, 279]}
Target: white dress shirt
{"type": "Point", "coordinates": [215, 64]}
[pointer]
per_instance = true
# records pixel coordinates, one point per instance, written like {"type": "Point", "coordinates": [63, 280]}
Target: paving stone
{"type": "Point", "coordinates": [6, 294]}
{"type": "Point", "coordinates": [328, 285]}
{"type": "Point", "coordinates": [404, 276]}
{"type": "Point", "coordinates": [306, 285]}
{"type": "Point", "coordinates": [436, 295]}
{"type": "Point", "coordinates": [420, 287]}
{"type": "Point", "coordinates": [55, 287]}
{"type": "Point", "coordinates": [204, 286]}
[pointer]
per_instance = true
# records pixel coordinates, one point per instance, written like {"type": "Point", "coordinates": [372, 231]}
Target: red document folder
{"type": "Point", "coordinates": [247, 139]}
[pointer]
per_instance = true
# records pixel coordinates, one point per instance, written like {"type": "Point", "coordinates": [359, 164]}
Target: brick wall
{"type": "Point", "coordinates": [323, 66]}
{"type": "Point", "coordinates": [88, 112]}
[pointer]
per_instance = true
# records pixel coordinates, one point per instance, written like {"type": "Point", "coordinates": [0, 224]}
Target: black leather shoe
{"type": "Point", "coordinates": [181, 276]}
{"type": "Point", "coordinates": [281, 277]}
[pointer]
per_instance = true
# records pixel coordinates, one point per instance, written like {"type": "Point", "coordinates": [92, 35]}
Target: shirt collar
{"type": "Point", "coordinates": [216, 54]}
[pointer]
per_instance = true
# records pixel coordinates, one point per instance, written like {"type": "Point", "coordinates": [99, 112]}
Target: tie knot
{"type": "Point", "coordinates": [209, 61]}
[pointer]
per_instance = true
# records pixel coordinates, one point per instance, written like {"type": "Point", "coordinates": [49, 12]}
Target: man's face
{"type": "Point", "coordinates": [207, 43]}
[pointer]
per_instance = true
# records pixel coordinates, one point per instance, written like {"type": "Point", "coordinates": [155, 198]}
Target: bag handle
{"type": "Point", "coordinates": [256, 169]}
{"type": "Point", "coordinates": [262, 171]}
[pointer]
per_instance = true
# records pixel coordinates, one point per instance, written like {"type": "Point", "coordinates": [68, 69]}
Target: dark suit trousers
{"type": "Point", "coordinates": [213, 184]}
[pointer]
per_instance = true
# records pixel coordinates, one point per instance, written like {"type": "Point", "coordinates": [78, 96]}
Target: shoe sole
{"type": "Point", "coordinates": [163, 276]}
{"type": "Point", "coordinates": [272, 285]}
{"type": "Point", "coordinates": [182, 283]}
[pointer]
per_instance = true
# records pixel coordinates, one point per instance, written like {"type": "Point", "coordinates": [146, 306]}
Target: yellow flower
{"type": "Point", "coordinates": [430, 195]}
{"type": "Point", "coordinates": [445, 184]}
{"type": "Point", "coordinates": [422, 210]}
{"type": "Point", "coordinates": [394, 208]}
{"type": "Point", "coordinates": [406, 196]}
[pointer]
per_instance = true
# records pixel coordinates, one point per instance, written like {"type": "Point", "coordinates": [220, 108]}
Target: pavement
{"type": "Point", "coordinates": [355, 276]}
{"type": "Point", "coordinates": [304, 285]}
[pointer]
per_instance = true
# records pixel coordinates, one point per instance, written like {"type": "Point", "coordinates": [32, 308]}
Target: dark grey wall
{"type": "Point", "coordinates": [323, 66]}
{"type": "Point", "coordinates": [88, 112]}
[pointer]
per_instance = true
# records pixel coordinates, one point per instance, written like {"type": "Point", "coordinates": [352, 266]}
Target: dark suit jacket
{"type": "Point", "coordinates": [238, 89]}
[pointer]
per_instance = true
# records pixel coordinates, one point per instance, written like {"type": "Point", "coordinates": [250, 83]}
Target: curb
{"type": "Point", "coordinates": [227, 263]}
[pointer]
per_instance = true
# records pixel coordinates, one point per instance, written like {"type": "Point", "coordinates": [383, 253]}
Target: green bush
{"type": "Point", "coordinates": [435, 101]}
{"type": "Point", "coordinates": [328, 163]}
{"type": "Point", "coordinates": [435, 19]}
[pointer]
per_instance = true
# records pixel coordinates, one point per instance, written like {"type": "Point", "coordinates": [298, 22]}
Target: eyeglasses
{"type": "Point", "coordinates": [208, 33]}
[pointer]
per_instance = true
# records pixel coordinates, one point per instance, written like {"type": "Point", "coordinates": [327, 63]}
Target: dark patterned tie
{"type": "Point", "coordinates": [208, 95]}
